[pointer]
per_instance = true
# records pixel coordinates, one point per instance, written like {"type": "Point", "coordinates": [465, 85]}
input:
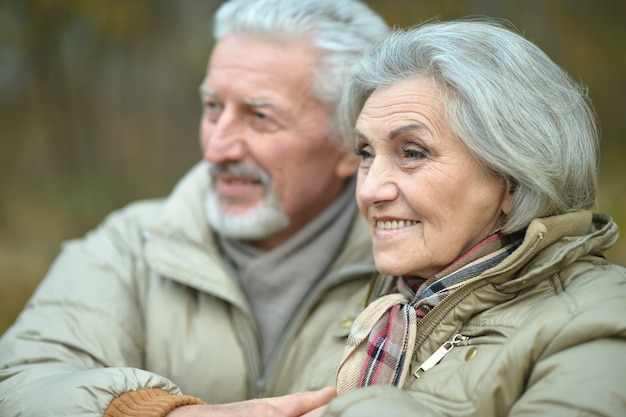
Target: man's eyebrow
{"type": "Point", "coordinates": [258, 103]}
{"type": "Point", "coordinates": [206, 90]}
{"type": "Point", "coordinates": [254, 102]}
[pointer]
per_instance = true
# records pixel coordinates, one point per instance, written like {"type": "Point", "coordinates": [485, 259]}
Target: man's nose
{"type": "Point", "coordinates": [224, 140]}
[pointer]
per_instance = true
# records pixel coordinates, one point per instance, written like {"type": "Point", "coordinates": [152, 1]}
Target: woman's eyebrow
{"type": "Point", "coordinates": [396, 132]}
{"type": "Point", "coordinates": [413, 126]}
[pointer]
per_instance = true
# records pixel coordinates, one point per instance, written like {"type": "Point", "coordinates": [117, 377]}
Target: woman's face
{"type": "Point", "coordinates": [425, 196]}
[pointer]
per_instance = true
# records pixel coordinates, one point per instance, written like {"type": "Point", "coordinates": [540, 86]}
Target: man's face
{"type": "Point", "coordinates": [266, 137]}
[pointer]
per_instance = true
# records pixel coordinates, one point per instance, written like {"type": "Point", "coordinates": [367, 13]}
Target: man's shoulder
{"type": "Point", "coordinates": [181, 209]}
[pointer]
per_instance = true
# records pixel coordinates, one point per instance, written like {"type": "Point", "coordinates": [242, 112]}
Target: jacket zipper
{"type": "Point", "coordinates": [438, 355]}
{"type": "Point", "coordinates": [251, 349]}
{"type": "Point", "coordinates": [465, 288]}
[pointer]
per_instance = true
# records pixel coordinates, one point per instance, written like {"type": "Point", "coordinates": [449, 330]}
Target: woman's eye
{"type": "Point", "coordinates": [362, 153]}
{"type": "Point", "coordinates": [414, 153]}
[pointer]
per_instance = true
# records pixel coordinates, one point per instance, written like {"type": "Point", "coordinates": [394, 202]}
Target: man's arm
{"type": "Point", "coordinates": [79, 342]}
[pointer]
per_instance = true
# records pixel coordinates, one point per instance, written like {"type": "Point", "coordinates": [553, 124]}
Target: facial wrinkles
{"type": "Point", "coordinates": [456, 176]}
{"type": "Point", "coordinates": [446, 190]}
{"type": "Point", "coordinates": [419, 125]}
{"type": "Point", "coordinates": [269, 107]}
{"type": "Point", "coordinates": [243, 73]}
{"type": "Point", "coordinates": [242, 98]}
{"type": "Point", "coordinates": [382, 118]}
{"type": "Point", "coordinates": [245, 64]}
{"type": "Point", "coordinates": [299, 156]}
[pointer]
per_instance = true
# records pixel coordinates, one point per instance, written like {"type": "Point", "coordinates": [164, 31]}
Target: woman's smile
{"type": "Point", "coordinates": [427, 197]}
{"type": "Point", "coordinates": [392, 224]}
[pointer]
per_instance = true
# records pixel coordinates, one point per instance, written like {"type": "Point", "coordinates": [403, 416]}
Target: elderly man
{"type": "Point", "coordinates": [235, 286]}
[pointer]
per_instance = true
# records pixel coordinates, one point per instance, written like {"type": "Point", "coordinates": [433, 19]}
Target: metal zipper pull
{"type": "Point", "coordinates": [438, 355]}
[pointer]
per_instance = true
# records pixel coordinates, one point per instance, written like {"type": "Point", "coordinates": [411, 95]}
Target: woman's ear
{"type": "Point", "coordinates": [507, 201]}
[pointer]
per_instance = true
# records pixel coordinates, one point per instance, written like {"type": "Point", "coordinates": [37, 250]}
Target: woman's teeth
{"type": "Point", "coordinates": [395, 224]}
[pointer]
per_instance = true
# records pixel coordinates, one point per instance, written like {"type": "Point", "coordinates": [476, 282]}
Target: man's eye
{"type": "Point", "coordinates": [211, 110]}
{"type": "Point", "coordinates": [211, 105]}
{"type": "Point", "coordinates": [263, 122]}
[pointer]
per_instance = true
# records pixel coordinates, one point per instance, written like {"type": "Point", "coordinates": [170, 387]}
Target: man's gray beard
{"type": "Point", "coordinates": [262, 221]}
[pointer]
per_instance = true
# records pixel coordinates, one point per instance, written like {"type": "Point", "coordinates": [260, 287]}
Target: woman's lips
{"type": "Point", "coordinates": [394, 224]}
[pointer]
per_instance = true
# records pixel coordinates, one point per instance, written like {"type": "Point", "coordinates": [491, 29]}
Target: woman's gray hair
{"type": "Point", "coordinates": [339, 31]}
{"type": "Point", "coordinates": [521, 115]}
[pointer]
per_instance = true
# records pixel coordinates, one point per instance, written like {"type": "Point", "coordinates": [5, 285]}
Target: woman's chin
{"type": "Point", "coordinates": [391, 268]}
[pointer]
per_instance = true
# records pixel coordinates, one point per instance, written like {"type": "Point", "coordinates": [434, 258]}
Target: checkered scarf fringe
{"type": "Point", "coordinates": [382, 338]}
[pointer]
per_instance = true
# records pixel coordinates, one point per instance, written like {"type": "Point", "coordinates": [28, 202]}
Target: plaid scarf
{"type": "Point", "coordinates": [382, 338]}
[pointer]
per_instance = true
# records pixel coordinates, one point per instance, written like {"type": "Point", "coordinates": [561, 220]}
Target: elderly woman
{"type": "Point", "coordinates": [477, 173]}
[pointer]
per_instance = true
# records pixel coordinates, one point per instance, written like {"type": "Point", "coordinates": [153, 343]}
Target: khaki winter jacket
{"type": "Point", "coordinates": [542, 334]}
{"type": "Point", "coordinates": [145, 307]}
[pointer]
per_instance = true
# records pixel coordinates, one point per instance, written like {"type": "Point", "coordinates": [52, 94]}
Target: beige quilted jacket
{"type": "Point", "coordinates": [542, 334]}
{"type": "Point", "coordinates": [146, 304]}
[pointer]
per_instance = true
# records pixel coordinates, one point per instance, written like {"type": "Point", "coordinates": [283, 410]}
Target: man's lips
{"type": "Point", "coordinates": [229, 185]}
{"type": "Point", "coordinates": [237, 179]}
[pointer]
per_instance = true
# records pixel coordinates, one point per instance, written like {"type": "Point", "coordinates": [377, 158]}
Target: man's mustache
{"type": "Point", "coordinates": [241, 170]}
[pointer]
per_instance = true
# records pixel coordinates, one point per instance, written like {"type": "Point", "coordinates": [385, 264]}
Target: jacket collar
{"type": "Point", "coordinates": [552, 243]}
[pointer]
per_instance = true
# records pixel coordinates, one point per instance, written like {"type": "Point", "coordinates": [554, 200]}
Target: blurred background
{"type": "Point", "coordinates": [99, 106]}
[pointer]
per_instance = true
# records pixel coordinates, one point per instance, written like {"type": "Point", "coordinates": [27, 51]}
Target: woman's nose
{"type": "Point", "coordinates": [377, 184]}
